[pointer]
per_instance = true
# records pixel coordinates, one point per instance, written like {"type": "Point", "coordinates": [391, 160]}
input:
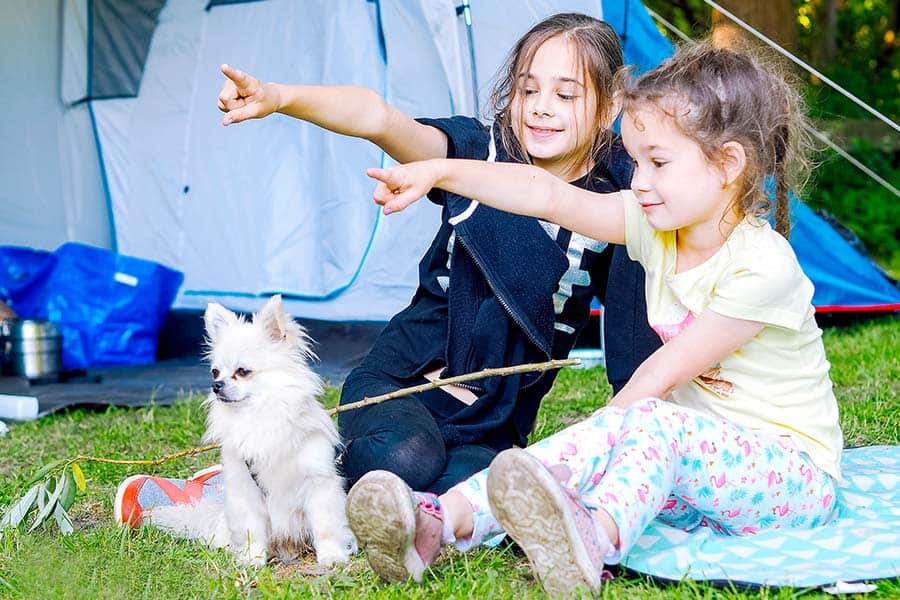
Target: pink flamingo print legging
{"type": "Point", "coordinates": [657, 459]}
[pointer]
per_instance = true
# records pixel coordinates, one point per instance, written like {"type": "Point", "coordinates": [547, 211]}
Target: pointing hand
{"type": "Point", "coordinates": [244, 97]}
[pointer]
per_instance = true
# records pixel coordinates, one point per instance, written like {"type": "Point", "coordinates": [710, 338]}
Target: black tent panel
{"type": "Point", "coordinates": [120, 34]}
{"type": "Point", "coordinates": [213, 3]}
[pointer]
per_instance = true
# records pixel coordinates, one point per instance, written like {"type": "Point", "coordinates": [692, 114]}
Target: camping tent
{"type": "Point", "coordinates": [113, 139]}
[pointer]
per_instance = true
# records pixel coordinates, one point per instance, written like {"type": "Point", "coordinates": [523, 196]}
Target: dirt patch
{"type": "Point", "coordinates": [89, 515]}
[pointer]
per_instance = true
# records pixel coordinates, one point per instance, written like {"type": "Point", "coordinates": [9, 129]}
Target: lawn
{"type": "Point", "coordinates": [101, 560]}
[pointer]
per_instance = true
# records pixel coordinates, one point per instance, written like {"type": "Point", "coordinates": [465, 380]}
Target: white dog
{"type": "Point", "coordinates": [282, 489]}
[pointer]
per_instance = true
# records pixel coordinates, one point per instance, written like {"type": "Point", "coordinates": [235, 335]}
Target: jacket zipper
{"type": "Point", "coordinates": [505, 307]}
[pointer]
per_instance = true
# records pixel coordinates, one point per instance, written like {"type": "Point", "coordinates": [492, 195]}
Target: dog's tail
{"type": "Point", "coordinates": [203, 520]}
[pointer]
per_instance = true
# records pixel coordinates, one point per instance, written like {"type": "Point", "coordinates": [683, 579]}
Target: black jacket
{"type": "Point", "coordinates": [514, 295]}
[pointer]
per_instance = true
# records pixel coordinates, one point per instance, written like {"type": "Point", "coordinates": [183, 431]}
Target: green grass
{"type": "Point", "coordinates": [100, 560]}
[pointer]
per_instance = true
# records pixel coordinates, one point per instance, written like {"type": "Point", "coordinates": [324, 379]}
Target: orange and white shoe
{"type": "Point", "coordinates": [138, 495]}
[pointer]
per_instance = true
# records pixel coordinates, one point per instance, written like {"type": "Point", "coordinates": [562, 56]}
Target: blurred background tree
{"type": "Point", "coordinates": [854, 43]}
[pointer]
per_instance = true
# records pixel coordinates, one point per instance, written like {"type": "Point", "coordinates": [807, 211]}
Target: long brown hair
{"type": "Point", "coordinates": [599, 56]}
{"type": "Point", "coordinates": [717, 95]}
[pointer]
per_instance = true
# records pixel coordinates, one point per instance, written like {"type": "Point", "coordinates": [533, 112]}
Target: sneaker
{"type": "Point", "coordinates": [138, 495]}
{"type": "Point", "coordinates": [549, 522]}
{"type": "Point", "coordinates": [399, 529]}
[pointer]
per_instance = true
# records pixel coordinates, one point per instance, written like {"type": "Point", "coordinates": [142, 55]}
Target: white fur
{"type": "Point", "coordinates": [271, 419]}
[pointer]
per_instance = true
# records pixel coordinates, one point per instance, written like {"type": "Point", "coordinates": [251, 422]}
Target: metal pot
{"type": "Point", "coordinates": [31, 348]}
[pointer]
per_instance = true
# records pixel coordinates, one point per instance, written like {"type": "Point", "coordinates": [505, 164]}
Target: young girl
{"type": "Point", "coordinates": [733, 422]}
{"type": "Point", "coordinates": [495, 289]}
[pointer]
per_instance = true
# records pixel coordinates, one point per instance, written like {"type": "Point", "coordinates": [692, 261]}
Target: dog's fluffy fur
{"type": "Point", "coordinates": [282, 489]}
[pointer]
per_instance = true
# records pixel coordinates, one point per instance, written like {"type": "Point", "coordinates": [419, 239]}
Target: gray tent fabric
{"type": "Point", "coordinates": [279, 205]}
{"type": "Point", "coordinates": [51, 188]}
{"type": "Point", "coordinates": [73, 87]}
{"type": "Point", "coordinates": [276, 205]}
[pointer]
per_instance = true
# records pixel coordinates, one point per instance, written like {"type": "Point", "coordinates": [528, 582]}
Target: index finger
{"type": "Point", "coordinates": [241, 79]}
{"type": "Point", "coordinates": [379, 174]}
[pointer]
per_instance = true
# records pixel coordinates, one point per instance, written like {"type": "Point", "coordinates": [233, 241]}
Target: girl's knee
{"type": "Point", "coordinates": [417, 458]}
{"type": "Point", "coordinates": [654, 413]}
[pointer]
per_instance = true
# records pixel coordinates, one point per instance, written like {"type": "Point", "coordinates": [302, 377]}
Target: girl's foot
{"type": "Point", "coordinates": [399, 529]}
{"type": "Point", "coordinates": [549, 522]}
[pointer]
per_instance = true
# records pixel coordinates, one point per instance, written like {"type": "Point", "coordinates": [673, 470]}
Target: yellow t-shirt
{"type": "Point", "coordinates": [778, 381]}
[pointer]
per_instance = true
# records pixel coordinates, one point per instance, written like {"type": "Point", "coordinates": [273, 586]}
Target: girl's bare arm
{"type": "Point", "coordinates": [708, 340]}
{"type": "Point", "coordinates": [521, 189]}
{"type": "Point", "coordinates": [354, 111]}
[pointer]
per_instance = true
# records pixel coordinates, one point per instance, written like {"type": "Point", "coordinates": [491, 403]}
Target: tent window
{"type": "Point", "coordinates": [120, 33]}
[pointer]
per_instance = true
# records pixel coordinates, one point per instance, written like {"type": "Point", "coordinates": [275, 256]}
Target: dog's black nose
{"type": "Point", "coordinates": [217, 386]}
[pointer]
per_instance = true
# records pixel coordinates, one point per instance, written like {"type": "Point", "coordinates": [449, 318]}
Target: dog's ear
{"type": "Point", "coordinates": [273, 319]}
{"type": "Point", "coordinates": [216, 318]}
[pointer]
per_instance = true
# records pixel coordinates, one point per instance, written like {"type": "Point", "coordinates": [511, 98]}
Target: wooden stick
{"type": "Point", "coordinates": [526, 368]}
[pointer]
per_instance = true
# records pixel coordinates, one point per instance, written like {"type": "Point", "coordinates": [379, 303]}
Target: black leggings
{"type": "Point", "coordinates": [402, 435]}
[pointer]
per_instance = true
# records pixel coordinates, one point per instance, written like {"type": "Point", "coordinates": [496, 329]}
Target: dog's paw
{"type": "Point", "coordinates": [329, 552]}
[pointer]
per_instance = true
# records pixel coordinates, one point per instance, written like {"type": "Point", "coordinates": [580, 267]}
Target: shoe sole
{"type": "Point", "coordinates": [532, 508]}
{"type": "Point", "coordinates": [207, 473]}
{"type": "Point", "coordinates": [382, 517]}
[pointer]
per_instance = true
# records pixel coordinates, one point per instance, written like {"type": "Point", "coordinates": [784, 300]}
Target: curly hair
{"type": "Point", "coordinates": [718, 95]}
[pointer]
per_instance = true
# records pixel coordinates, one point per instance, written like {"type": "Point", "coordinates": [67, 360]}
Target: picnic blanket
{"type": "Point", "coordinates": [862, 541]}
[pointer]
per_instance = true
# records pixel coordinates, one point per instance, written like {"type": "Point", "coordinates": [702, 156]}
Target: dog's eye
{"type": "Point", "coordinates": [242, 372]}
{"type": "Point", "coordinates": [215, 373]}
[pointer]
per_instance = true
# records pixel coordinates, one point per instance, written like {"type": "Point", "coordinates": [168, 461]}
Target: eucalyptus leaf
{"type": "Point", "coordinates": [14, 515]}
{"type": "Point", "coordinates": [43, 471]}
{"type": "Point", "coordinates": [60, 485]}
{"type": "Point", "coordinates": [79, 476]}
{"type": "Point", "coordinates": [67, 498]}
{"type": "Point", "coordinates": [42, 497]}
{"type": "Point", "coordinates": [63, 520]}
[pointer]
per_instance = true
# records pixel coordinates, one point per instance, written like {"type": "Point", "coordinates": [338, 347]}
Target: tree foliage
{"type": "Point", "coordinates": [855, 44]}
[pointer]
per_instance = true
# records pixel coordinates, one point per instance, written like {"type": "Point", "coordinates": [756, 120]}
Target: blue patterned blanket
{"type": "Point", "coordinates": [862, 542]}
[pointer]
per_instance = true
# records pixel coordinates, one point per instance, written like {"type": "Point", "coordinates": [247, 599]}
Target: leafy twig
{"type": "Point", "coordinates": [55, 494]}
{"type": "Point", "coordinates": [53, 487]}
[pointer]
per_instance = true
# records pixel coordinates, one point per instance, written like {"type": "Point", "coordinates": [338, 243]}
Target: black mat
{"type": "Point", "coordinates": [180, 370]}
{"type": "Point", "coordinates": [160, 383]}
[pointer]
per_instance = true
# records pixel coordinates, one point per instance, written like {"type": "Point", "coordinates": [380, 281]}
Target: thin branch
{"type": "Point", "coordinates": [526, 368]}
{"type": "Point", "coordinates": [156, 461]}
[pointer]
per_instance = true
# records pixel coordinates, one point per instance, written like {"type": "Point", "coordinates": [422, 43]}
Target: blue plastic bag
{"type": "Point", "coordinates": [110, 307]}
{"type": "Point", "coordinates": [22, 268]}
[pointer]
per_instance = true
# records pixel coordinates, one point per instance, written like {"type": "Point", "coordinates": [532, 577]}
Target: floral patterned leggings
{"type": "Point", "coordinates": [657, 459]}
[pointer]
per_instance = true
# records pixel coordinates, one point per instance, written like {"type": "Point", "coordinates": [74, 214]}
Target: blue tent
{"type": "Point", "coordinates": [119, 142]}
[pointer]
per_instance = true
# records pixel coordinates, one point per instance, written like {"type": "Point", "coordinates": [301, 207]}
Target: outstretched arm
{"type": "Point", "coordinates": [354, 111]}
{"type": "Point", "coordinates": [708, 340]}
{"type": "Point", "coordinates": [521, 189]}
